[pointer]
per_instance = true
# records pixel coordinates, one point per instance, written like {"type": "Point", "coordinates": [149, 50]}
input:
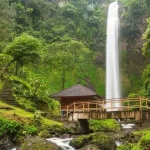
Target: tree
{"type": "Point", "coordinates": [24, 49]}
{"type": "Point", "coordinates": [6, 23]}
{"type": "Point", "coordinates": [146, 37]}
{"type": "Point", "coordinates": [66, 56]}
{"type": "Point", "coordinates": [146, 53]}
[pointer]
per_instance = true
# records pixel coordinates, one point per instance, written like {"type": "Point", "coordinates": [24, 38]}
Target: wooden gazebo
{"type": "Point", "coordinates": [75, 93]}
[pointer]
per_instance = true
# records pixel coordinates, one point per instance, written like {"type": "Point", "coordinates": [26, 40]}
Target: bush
{"type": "Point", "coordinates": [145, 142]}
{"type": "Point", "coordinates": [29, 130]}
{"type": "Point", "coordinates": [8, 126]}
{"type": "Point", "coordinates": [104, 125]}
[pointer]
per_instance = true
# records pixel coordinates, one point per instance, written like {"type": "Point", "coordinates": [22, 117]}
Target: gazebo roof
{"type": "Point", "coordinates": [77, 90]}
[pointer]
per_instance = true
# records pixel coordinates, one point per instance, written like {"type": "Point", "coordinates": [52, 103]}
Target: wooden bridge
{"type": "Point", "coordinates": [130, 108]}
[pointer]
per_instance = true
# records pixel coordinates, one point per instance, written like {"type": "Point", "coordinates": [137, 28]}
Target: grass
{"type": "Point", "coordinates": [22, 116]}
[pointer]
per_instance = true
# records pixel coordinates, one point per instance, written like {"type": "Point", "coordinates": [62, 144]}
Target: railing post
{"type": "Point", "coordinates": [88, 106]}
{"type": "Point", "coordinates": [128, 104]}
{"type": "Point", "coordinates": [67, 111]}
{"type": "Point", "coordinates": [96, 106]}
{"type": "Point", "coordinates": [146, 103]}
{"type": "Point", "coordinates": [140, 103]}
{"type": "Point", "coordinates": [83, 106]}
{"type": "Point", "coordinates": [74, 107]}
{"type": "Point", "coordinates": [103, 106]}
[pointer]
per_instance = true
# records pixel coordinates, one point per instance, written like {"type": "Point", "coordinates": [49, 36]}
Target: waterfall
{"type": "Point", "coordinates": [112, 56]}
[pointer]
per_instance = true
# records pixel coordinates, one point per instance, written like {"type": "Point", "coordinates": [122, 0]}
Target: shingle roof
{"type": "Point", "coordinates": [77, 90]}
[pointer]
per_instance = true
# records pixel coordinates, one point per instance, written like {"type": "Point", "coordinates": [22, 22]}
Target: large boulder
{"type": "Point", "coordinates": [90, 147]}
{"type": "Point", "coordinates": [37, 143]}
{"type": "Point", "coordinates": [101, 140]}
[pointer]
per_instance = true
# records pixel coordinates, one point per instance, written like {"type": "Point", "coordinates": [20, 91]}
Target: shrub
{"type": "Point", "coordinates": [29, 130]}
{"type": "Point", "coordinates": [145, 142]}
{"type": "Point", "coordinates": [104, 125]}
{"type": "Point", "coordinates": [8, 126]}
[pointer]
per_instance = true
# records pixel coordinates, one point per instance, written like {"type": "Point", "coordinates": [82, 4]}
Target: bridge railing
{"type": "Point", "coordinates": [126, 104]}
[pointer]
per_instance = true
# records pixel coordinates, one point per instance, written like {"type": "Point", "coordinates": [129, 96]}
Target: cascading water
{"type": "Point", "coordinates": [112, 56]}
{"type": "Point", "coordinates": [63, 143]}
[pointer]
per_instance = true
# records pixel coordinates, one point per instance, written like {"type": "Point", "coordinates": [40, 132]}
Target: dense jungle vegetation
{"type": "Point", "coordinates": [49, 45]}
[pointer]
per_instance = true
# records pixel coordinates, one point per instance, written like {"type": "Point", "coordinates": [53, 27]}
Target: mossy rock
{"type": "Point", "coordinates": [45, 134]}
{"type": "Point", "coordinates": [90, 147]}
{"type": "Point", "coordinates": [37, 143]}
{"type": "Point", "coordinates": [101, 140]}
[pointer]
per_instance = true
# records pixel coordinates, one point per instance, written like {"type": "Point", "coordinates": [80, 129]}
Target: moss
{"type": "Point", "coordinates": [80, 141]}
{"type": "Point", "coordinates": [1, 85]}
{"type": "Point", "coordinates": [104, 125]}
{"type": "Point", "coordinates": [23, 116]}
{"type": "Point", "coordinates": [45, 134]}
{"type": "Point", "coordinates": [36, 143]}
{"type": "Point", "coordinates": [101, 140]}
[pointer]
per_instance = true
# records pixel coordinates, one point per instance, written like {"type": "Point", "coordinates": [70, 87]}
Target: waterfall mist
{"type": "Point", "coordinates": [112, 55]}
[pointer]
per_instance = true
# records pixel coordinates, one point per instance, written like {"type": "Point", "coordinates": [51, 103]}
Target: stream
{"type": "Point", "coordinates": [63, 143]}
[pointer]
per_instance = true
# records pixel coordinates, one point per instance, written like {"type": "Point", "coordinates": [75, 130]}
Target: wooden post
{"type": "Point", "coordinates": [74, 107]}
{"type": "Point", "coordinates": [128, 104]}
{"type": "Point", "coordinates": [146, 103]}
{"type": "Point", "coordinates": [83, 106]}
{"type": "Point", "coordinates": [67, 111]}
{"type": "Point", "coordinates": [96, 106]}
{"type": "Point", "coordinates": [88, 106]}
{"type": "Point", "coordinates": [103, 105]}
{"type": "Point", "coordinates": [140, 103]}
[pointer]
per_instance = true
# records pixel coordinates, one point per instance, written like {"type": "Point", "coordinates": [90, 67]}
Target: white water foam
{"type": "Point", "coordinates": [63, 143]}
{"type": "Point", "coordinates": [127, 126]}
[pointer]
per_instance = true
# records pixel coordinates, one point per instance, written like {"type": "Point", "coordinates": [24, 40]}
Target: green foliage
{"type": "Point", "coordinates": [57, 129]}
{"type": "Point", "coordinates": [37, 118]}
{"type": "Point", "coordinates": [146, 37]}
{"type": "Point", "coordinates": [21, 87]}
{"type": "Point", "coordinates": [104, 125]}
{"type": "Point", "coordinates": [26, 103]}
{"type": "Point", "coordinates": [146, 78]}
{"type": "Point", "coordinates": [29, 130]}
{"type": "Point", "coordinates": [8, 126]}
{"type": "Point", "coordinates": [127, 146]}
{"type": "Point", "coordinates": [145, 142]}
{"type": "Point", "coordinates": [24, 49]}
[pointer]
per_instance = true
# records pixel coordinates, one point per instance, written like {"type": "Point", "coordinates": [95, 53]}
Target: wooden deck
{"type": "Point", "coordinates": [133, 108]}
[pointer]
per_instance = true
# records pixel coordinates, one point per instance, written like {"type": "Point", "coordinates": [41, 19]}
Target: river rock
{"type": "Point", "coordinates": [101, 140]}
{"type": "Point", "coordinates": [6, 143]}
{"type": "Point", "coordinates": [90, 147]}
{"type": "Point", "coordinates": [37, 143]}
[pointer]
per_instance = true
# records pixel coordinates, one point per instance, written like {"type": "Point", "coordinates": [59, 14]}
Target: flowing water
{"type": "Point", "coordinates": [63, 143]}
{"type": "Point", "coordinates": [112, 55]}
